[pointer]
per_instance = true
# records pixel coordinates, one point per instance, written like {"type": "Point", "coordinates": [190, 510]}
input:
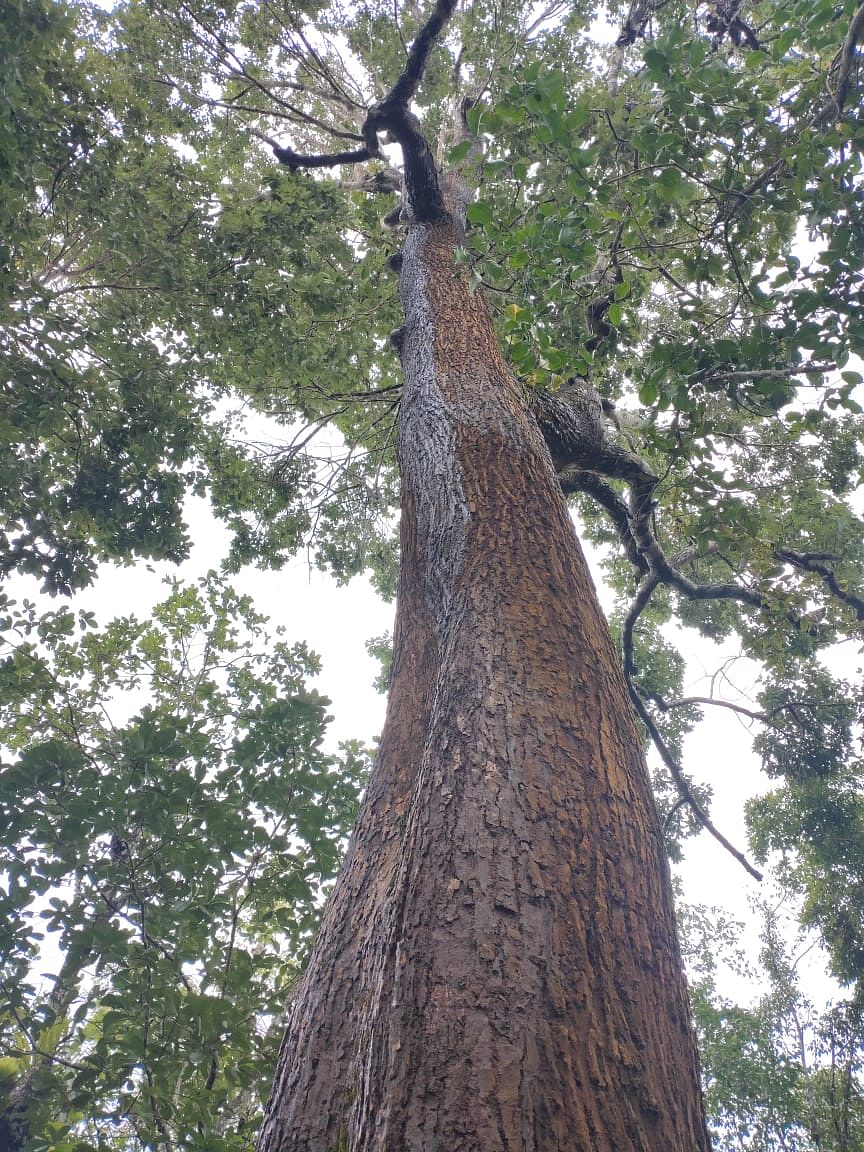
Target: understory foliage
{"type": "Point", "coordinates": [668, 212]}
{"type": "Point", "coordinates": [780, 1073]}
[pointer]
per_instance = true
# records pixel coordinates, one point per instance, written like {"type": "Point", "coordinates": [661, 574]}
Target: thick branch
{"type": "Point", "coordinates": [404, 89]}
{"type": "Point", "coordinates": [813, 562]}
{"type": "Point", "coordinates": [295, 160]}
{"type": "Point", "coordinates": [571, 421]}
{"type": "Point", "coordinates": [666, 573]}
{"type": "Point", "coordinates": [577, 480]}
{"type": "Point", "coordinates": [393, 114]}
{"type": "Point", "coordinates": [845, 62]}
{"type": "Point", "coordinates": [424, 200]}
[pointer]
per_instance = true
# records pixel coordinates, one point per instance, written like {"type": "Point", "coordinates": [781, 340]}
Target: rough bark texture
{"type": "Point", "coordinates": [497, 967]}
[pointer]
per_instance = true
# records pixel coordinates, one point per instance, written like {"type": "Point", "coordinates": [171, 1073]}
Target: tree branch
{"type": "Point", "coordinates": [570, 421]}
{"type": "Point", "coordinates": [640, 603]}
{"type": "Point", "coordinates": [768, 373]}
{"type": "Point", "coordinates": [406, 86]}
{"type": "Point", "coordinates": [576, 480]}
{"type": "Point", "coordinates": [295, 160]}
{"type": "Point", "coordinates": [833, 108]}
{"type": "Point", "coordinates": [813, 562]}
{"type": "Point", "coordinates": [844, 63]}
{"type": "Point", "coordinates": [685, 702]}
{"type": "Point", "coordinates": [632, 29]}
{"type": "Point", "coordinates": [673, 811]}
{"type": "Point", "coordinates": [422, 187]}
{"type": "Point", "coordinates": [681, 783]}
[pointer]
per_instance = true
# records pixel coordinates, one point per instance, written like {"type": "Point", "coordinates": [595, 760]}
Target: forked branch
{"type": "Point", "coordinates": [424, 200]}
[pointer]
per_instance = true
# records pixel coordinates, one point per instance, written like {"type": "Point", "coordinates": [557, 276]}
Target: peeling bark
{"type": "Point", "coordinates": [497, 968]}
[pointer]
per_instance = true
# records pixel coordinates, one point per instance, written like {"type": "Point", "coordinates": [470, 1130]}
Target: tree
{"type": "Point", "coordinates": [497, 966]}
{"type": "Point", "coordinates": [406, 1030]}
{"type": "Point", "coordinates": [781, 1075]}
{"type": "Point", "coordinates": [151, 844]}
{"type": "Point", "coordinates": [675, 347]}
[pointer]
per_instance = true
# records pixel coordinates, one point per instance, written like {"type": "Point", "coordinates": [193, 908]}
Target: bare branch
{"type": "Point", "coordinates": [423, 191]}
{"type": "Point", "coordinates": [546, 15]}
{"type": "Point", "coordinates": [685, 702]}
{"type": "Point", "coordinates": [681, 783]}
{"type": "Point", "coordinates": [307, 90]}
{"type": "Point", "coordinates": [287, 111]}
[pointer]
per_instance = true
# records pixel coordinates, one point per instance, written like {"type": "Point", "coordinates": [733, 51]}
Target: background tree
{"type": "Point", "coordinates": [780, 1073]}
{"type": "Point", "coordinates": [673, 217]}
{"type": "Point", "coordinates": [168, 819]}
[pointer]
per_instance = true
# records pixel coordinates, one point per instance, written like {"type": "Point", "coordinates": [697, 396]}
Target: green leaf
{"type": "Point", "coordinates": [459, 152]}
{"type": "Point", "coordinates": [480, 214]}
{"type": "Point", "coordinates": [647, 392]}
{"type": "Point", "coordinates": [673, 188]}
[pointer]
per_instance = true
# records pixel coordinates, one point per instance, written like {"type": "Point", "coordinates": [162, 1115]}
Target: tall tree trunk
{"type": "Point", "coordinates": [497, 967]}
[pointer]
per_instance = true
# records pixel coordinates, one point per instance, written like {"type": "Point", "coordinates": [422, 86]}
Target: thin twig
{"type": "Point", "coordinates": [686, 701]}
{"type": "Point", "coordinates": [670, 815]}
{"type": "Point", "coordinates": [681, 783]}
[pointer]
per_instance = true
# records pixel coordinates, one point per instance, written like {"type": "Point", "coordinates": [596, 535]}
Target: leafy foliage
{"type": "Point", "coordinates": [144, 278]}
{"type": "Point", "coordinates": [780, 1074]}
{"type": "Point", "coordinates": [817, 807]}
{"type": "Point", "coordinates": [170, 818]}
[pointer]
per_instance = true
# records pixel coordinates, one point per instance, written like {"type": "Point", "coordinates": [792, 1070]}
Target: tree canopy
{"type": "Point", "coordinates": [669, 212]}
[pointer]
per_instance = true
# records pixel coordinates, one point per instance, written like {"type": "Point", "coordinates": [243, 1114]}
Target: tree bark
{"type": "Point", "coordinates": [497, 968]}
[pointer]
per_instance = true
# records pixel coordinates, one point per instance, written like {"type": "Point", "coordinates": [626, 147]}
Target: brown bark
{"type": "Point", "coordinates": [497, 967]}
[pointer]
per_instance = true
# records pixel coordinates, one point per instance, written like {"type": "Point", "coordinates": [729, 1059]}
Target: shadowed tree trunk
{"type": "Point", "coordinates": [497, 967]}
